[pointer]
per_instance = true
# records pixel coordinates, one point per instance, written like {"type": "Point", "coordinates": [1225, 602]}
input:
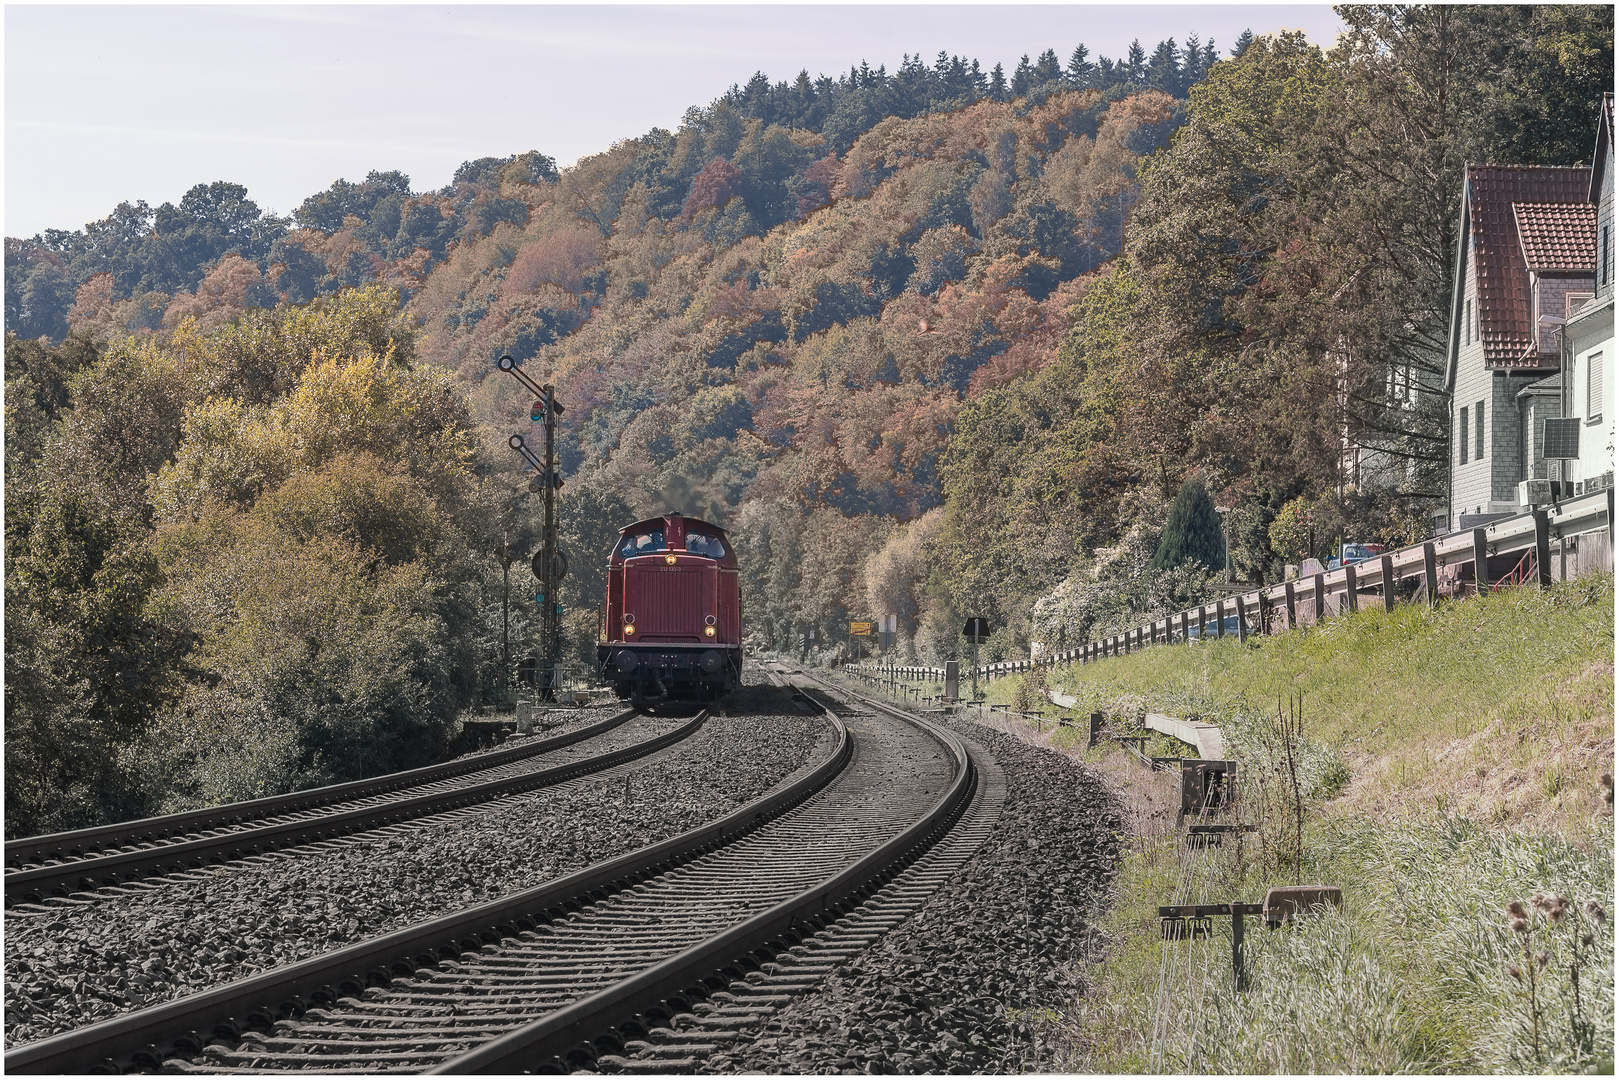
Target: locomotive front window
{"type": "Point", "coordinates": [642, 543]}
{"type": "Point", "coordinates": [702, 544]}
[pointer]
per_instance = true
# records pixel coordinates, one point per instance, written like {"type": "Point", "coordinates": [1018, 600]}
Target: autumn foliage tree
{"type": "Point", "coordinates": [714, 186]}
{"type": "Point", "coordinates": [237, 562]}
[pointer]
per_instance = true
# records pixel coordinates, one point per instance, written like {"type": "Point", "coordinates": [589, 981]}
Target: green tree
{"type": "Point", "coordinates": [1295, 534]}
{"type": "Point", "coordinates": [1192, 534]}
{"type": "Point", "coordinates": [589, 516]}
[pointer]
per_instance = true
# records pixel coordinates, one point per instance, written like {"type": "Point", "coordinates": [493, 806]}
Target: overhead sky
{"type": "Point", "coordinates": [108, 103]}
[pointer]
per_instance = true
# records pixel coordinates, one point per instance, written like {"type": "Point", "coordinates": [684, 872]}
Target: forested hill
{"type": "Point", "coordinates": [156, 259]}
{"type": "Point", "coordinates": [932, 343]}
{"type": "Point", "coordinates": [252, 493]}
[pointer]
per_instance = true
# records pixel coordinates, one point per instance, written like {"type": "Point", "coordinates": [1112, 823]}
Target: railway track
{"type": "Point", "coordinates": [62, 864]}
{"type": "Point", "coordinates": [742, 1010]}
{"type": "Point", "coordinates": [557, 975]}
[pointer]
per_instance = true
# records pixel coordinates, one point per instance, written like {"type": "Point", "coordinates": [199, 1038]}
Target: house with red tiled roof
{"type": "Point", "coordinates": [1525, 263]}
{"type": "Point", "coordinates": [1587, 391]}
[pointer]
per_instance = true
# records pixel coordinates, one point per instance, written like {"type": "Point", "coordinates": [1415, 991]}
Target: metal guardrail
{"type": "Point", "coordinates": [1423, 570]}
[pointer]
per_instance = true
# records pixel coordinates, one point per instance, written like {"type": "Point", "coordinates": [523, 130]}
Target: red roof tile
{"type": "Point", "coordinates": [1557, 236]}
{"type": "Point", "coordinates": [1498, 267]}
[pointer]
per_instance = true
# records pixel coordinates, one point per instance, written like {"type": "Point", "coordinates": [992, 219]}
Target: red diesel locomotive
{"type": "Point", "coordinates": [672, 630]}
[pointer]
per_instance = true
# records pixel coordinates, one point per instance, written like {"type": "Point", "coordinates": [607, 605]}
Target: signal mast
{"type": "Point", "coordinates": [549, 564]}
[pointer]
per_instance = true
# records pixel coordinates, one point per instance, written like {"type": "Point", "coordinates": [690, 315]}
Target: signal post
{"type": "Point", "coordinates": [549, 564]}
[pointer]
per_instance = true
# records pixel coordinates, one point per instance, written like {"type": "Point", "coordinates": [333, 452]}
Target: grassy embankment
{"type": "Point", "coordinates": [1451, 762]}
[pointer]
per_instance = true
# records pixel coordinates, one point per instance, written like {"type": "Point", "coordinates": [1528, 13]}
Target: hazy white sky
{"type": "Point", "coordinates": [107, 103]}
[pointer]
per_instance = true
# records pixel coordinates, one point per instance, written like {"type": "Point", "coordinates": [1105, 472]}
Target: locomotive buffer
{"type": "Point", "coordinates": [549, 564]}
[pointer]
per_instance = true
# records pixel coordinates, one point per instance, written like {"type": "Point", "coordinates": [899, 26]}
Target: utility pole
{"type": "Point", "coordinates": [549, 565]}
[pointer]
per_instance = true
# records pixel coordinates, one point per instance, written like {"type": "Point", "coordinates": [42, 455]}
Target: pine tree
{"type": "Point", "coordinates": [997, 83]}
{"type": "Point", "coordinates": [1022, 77]}
{"type": "Point", "coordinates": [1081, 72]}
{"type": "Point", "coordinates": [1164, 69]}
{"type": "Point", "coordinates": [1047, 68]}
{"type": "Point", "coordinates": [1135, 64]}
{"type": "Point", "coordinates": [1242, 44]}
{"type": "Point", "coordinates": [1192, 69]}
{"type": "Point", "coordinates": [1193, 531]}
{"type": "Point", "coordinates": [803, 99]}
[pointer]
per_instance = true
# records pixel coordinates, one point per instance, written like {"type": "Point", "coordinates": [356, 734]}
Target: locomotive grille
{"type": "Point", "coordinates": [667, 602]}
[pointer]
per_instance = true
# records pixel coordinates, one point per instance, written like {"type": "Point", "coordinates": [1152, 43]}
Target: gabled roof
{"type": "Point", "coordinates": [1497, 258]}
{"type": "Point", "coordinates": [1603, 150]}
{"type": "Point", "coordinates": [1557, 236]}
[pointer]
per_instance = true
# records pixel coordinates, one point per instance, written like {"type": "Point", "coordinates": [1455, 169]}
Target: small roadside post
{"type": "Point", "coordinates": [1183, 922]}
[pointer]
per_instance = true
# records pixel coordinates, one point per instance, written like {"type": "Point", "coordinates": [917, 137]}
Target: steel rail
{"type": "Point", "coordinates": [78, 843]}
{"type": "Point", "coordinates": [240, 843]}
{"type": "Point", "coordinates": [875, 703]}
{"type": "Point", "coordinates": [553, 1035]}
{"type": "Point", "coordinates": [143, 1039]}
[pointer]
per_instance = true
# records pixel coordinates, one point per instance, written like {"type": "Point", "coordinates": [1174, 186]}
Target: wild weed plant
{"type": "Point", "coordinates": [1459, 948]}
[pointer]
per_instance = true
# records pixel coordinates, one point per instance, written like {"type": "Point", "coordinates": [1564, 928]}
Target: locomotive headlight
{"type": "Point", "coordinates": [708, 631]}
{"type": "Point", "coordinates": [670, 559]}
{"type": "Point", "coordinates": [629, 628]}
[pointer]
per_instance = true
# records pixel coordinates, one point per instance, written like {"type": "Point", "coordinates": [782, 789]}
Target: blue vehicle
{"type": "Point", "coordinates": [1355, 553]}
{"type": "Point", "coordinates": [1194, 633]}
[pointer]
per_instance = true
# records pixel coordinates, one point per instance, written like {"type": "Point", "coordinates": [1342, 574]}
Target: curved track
{"type": "Point", "coordinates": [564, 972]}
{"type": "Point", "coordinates": [742, 1010]}
{"type": "Point", "coordinates": [116, 854]}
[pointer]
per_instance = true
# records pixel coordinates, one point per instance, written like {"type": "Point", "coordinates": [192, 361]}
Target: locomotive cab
{"type": "Point", "coordinates": [672, 624]}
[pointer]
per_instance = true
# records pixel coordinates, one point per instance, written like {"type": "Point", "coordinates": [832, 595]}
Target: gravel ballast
{"type": "Point", "coordinates": [968, 983]}
{"type": "Point", "coordinates": [83, 963]}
